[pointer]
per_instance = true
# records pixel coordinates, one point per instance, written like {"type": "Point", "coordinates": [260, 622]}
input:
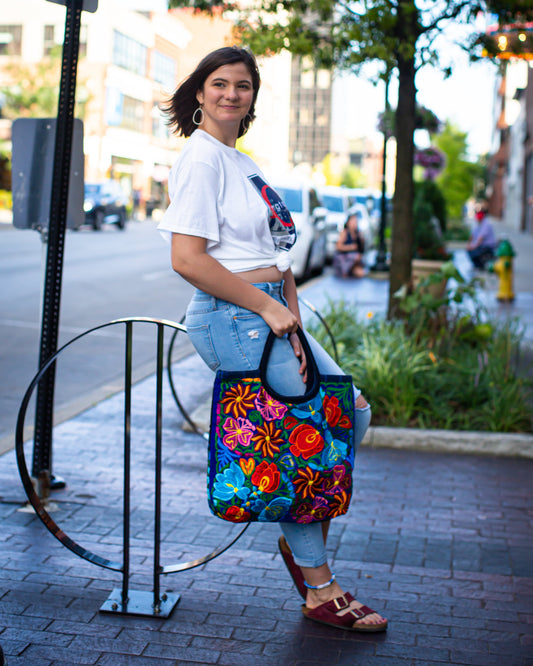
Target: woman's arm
{"type": "Point", "coordinates": [190, 260]}
{"type": "Point", "coordinates": [291, 296]}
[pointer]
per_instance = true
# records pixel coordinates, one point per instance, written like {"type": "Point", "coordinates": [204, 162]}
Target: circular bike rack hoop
{"type": "Point", "coordinates": [124, 601]}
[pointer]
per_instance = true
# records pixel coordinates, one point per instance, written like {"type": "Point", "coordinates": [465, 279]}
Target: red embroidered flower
{"type": "Point", "coordinates": [306, 441]}
{"type": "Point", "coordinates": [290, 422]}
{"type": "Point", "coordinates": [237, 515]}
{"type": "Point", "coordinates": [332, 410]}
{"type": "Point", "coordinates": [308, 483]}
{"type": "Point", "coordinates": [266, 477]}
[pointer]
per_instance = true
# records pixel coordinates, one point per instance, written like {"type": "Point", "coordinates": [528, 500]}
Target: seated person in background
{"type": "Point", "coordinates": [482, 242]}
{"type": "Point", "coordinates": [348, 258]}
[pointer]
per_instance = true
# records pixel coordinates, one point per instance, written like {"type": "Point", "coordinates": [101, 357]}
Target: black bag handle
{"type": "Point", "coordinates": [313, 377]}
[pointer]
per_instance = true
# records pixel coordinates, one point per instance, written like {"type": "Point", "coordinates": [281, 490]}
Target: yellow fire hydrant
{"type": "Point", "coordinates": [503, 267]}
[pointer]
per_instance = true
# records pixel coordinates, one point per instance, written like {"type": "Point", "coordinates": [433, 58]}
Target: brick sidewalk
{"type": "Point", "coordinates": [441, 544]}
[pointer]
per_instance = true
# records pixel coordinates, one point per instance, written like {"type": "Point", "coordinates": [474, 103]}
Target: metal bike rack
{"type": "Point", "coordinates": [121, 601]}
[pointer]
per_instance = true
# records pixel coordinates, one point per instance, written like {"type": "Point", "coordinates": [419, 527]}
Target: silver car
{"type": "Point", "coordinates": [308, 254]}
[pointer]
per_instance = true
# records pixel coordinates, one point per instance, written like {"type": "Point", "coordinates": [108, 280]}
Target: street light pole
{"type": "Point", "coordinates": [381, 257]}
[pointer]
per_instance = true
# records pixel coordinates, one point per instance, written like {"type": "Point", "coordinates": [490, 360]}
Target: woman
{"type": "Point", "coordinates": [229, 236]}
{"type": "Point", "coordinates": [348, 259]}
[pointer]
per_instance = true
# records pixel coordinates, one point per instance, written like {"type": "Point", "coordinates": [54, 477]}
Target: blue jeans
{"type": "Point", "coordinates": [229, 337]}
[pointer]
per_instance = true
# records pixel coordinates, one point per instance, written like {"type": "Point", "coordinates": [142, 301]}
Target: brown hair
{"type": "Point", "coordinates": [183, 103]}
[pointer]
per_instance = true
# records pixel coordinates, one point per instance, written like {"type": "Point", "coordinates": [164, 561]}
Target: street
{"type": "Point", "coordinates": [106, 275]}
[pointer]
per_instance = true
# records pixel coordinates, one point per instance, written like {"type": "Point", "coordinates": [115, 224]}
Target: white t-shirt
{"type": "Point", "coordinates": [212, 197]}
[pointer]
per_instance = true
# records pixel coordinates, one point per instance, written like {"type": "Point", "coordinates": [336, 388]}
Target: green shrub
{"type": "Point", "coordinates": [450, 366]}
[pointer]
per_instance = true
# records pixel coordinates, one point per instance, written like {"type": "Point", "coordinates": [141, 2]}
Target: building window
{"type": "Point", "coordinates": [129, 54]}
{"type": "Point", "coordinates": [323, 79]}
{"type": "Point", "coordinates": [164, 70]}
{"type": "Point", "coordinates": [160, 128]}
{"type": "Point", "coordinates": [49, 39]}
{"type": "Point", "coordinates": [10, 40]}
{"type": "Point", "coordinates": [132, 114]}
{"type": "Point", "coordinates": [82, 53]}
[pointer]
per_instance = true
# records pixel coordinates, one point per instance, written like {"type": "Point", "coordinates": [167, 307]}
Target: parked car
{"type": "Point", "coordinates": [308, 254]}
{"type": "Point", "coordinates": [337, 201]}
{"type": "Point", "coordinates": [105, 203]}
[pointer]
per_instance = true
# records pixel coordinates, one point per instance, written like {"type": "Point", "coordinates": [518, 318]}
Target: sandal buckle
{"type": "Point", "coordinates": [338, 605]}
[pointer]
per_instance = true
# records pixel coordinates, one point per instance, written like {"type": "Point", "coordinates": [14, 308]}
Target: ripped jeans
{"type": "Point", "coordinates": [228, 337]}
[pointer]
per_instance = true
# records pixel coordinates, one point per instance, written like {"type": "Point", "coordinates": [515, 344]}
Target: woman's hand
{"type": "Point", "coordinates": [279, 318]}
{"type": "Point", "coordinates": [300, 355]}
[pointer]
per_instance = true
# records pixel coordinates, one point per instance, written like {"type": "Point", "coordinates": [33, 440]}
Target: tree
{"type": "Point", "coordinates": [34, 90]}
{"type": "Point", "coordinates": [399, 34]}
{"type": "Point", "coordinates": [457, 178]}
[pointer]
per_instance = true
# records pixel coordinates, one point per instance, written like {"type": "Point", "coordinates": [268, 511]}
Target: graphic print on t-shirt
{"type": "Point", "coordinates": [280, 221]}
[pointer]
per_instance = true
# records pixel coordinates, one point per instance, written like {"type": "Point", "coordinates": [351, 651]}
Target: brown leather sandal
{"type": "Point", "coordinates": [294, 570]}
{"type": "Point", "coordinates": [337, 613]}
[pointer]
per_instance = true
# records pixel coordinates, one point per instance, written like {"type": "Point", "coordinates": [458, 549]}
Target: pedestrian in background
{"type": "Point", "coordinates": [349, 250]}
{"type": "Point", "coordinates": [227, 242]}
{"type": "Point", "coordinates": [482, 242]}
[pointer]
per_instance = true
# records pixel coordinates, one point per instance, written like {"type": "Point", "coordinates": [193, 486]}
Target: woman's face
{"type": "Point", "coordinates": [226, 97]}
{"type": "Point", "coordinates": [353, 223]}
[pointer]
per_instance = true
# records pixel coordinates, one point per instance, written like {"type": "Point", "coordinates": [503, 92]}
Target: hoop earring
{"type": "Point", "coordinates": [195, 120]}
{"type": "Point", "coordinates": [246, 125]}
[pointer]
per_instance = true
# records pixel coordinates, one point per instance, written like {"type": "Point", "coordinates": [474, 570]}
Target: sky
{"type": "Point", "coordinates": [466, 99]}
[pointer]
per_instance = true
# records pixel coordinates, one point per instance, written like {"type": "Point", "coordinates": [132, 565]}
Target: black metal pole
{"type": "Point", "coordinates": [381, 257]}
{"type": "Point", "coordinates": [42, 446]}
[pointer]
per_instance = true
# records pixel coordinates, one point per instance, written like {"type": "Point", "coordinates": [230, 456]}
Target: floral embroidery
{"type": "Point", "coordinates": [268, 439]}
{"type": "Point", "coordinates": [247, 465]}
{"type": "Point", "coordinates": [339, 504]}
{"type": "Point", "coordinates": [306, 441]}
{"type": "Point", "coordinates": [238, 400]}
{"type": "Point", "coordinates": [308, 513]}
{"type": "Point", "coordinates": [339, 480]}
{"type": "Point", "coordinates": [237, 515]}
{"type": "Point", "coordinates": [266, 477]}
{"type": "Point", "coordinates": [272, 461]}
{"type": "Point", "coordinates": [269, 408]}
{"type": "Point", "coordinates": [308, 482]}
{"type": "Point", "coordinates": [238, 431]}
{"type": "Point", "coordinates": [229, 483]}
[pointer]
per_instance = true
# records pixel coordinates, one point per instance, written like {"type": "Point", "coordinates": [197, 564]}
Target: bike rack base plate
{"type": "Point", "coordinates": [140, 603]}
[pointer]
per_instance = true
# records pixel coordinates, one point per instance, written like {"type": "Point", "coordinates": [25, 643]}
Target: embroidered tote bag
{"type": "Point", "coordinates": [280, 458]}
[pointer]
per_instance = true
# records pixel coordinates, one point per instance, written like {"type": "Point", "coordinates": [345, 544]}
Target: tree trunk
{"type": "Point", "coordinates": [402, 227]}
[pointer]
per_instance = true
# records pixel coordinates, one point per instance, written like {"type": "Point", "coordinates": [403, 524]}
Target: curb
{"type": "Point", "coordinates": [413, 439]}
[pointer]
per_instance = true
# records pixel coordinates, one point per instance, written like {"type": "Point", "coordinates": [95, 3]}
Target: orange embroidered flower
{"type": "Point", "coordinates": [308, 483]}
{"type": "Point", "coordinates": [247, 465]}
{"type": "Point", "coordinates": [239, 400]}
{"type": "Point", "coordinates": [266, 477]}
{"type": "Point", "coordinates": [306, 441]}
{"type": "Point", "coordinates": [339, 504]}
{"type": "Point", "coordinates": [267, 439]}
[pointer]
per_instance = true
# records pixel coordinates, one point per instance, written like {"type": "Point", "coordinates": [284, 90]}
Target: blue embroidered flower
{"type": "Point", "coordinates": [311, 409]}
{"type": "Point", "coordinates": [334, 451]}
{"type": "Point", "coordinates": [275, 510]}
{"type": "Point", "coordinates": [229, 483]}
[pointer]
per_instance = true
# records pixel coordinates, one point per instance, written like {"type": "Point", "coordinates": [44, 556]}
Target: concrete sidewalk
{"type": "Point", "coordinates": [440, 543]}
